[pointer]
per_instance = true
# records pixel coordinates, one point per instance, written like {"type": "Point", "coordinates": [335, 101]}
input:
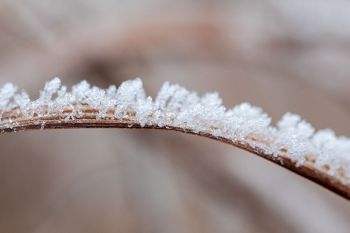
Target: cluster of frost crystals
{"type": "Point", "coordinates": [245, 119]}
{"type": "Point", "coordinates": [80, 92]}
{"type": "Point", "coordinates": [128, 94]}
{"type": "Point", "coordinates": [213, 114]}
{"type": "Point", "coordinates": [102, 100]}
{"type": "Point", "coordinates": [333, 150]}
{"type": "Point", "coordinates": [294, 136]}
{"type": "Point", "coordinates": [7, 93]}
{"type": "Point", "coordinates": [131, 97]}
{"type": "Point", "coordinates": [23, 101]}
{"type": "Point", "coordinates": [179, 107]}
{"type": "Point", "coordinates": [175, 106]}
{"type": "Point", "coordinates": [45, 103]}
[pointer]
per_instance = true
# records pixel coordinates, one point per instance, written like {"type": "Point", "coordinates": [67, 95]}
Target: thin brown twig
{"type": "Point", "coordinates": [89, 119]}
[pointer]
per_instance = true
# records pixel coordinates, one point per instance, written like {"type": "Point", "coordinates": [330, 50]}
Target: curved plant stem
{"type": "Point", "coordinates": [88, 119]}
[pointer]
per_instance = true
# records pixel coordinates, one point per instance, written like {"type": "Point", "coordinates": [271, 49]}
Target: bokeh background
{"type": "Point", "coordinates": [282, 55]}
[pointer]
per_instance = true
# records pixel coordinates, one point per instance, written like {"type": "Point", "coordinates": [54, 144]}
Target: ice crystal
{"type": "Point", "coordinates": [245, 119]}
{"type": "Point", "coordinates": [177, 107]}
{"type": "Point", "coordinates": [295, 134]}
{"type": "Point", "coordinates": [6, 94]}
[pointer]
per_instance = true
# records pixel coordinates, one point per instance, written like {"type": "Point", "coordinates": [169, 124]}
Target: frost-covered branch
{"type": "Point", "coordinates": [319, 156]}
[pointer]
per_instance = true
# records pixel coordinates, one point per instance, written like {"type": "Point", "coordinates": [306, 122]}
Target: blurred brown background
{"type": "Point", "coordinates": [289, 55]}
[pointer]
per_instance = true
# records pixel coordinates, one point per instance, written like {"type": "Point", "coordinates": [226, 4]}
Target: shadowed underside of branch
{"type": "Point", "coordinates": [320, 157]}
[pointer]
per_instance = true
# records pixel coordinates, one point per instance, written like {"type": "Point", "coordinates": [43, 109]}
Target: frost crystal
{"type": "Point", "coordinates": [177, 107]}
{"type": "Point", "coordinates": [295, 134]}
{"type": "Point", "coordinates": [6, 94]}
{"type": "Point", "coordinates": [245, 119]}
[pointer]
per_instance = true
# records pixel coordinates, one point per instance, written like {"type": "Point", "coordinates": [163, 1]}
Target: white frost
{"type": "Point", "coordinates": [175, 106]}
{"type": "Point", "coordinates": [7, 92]}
